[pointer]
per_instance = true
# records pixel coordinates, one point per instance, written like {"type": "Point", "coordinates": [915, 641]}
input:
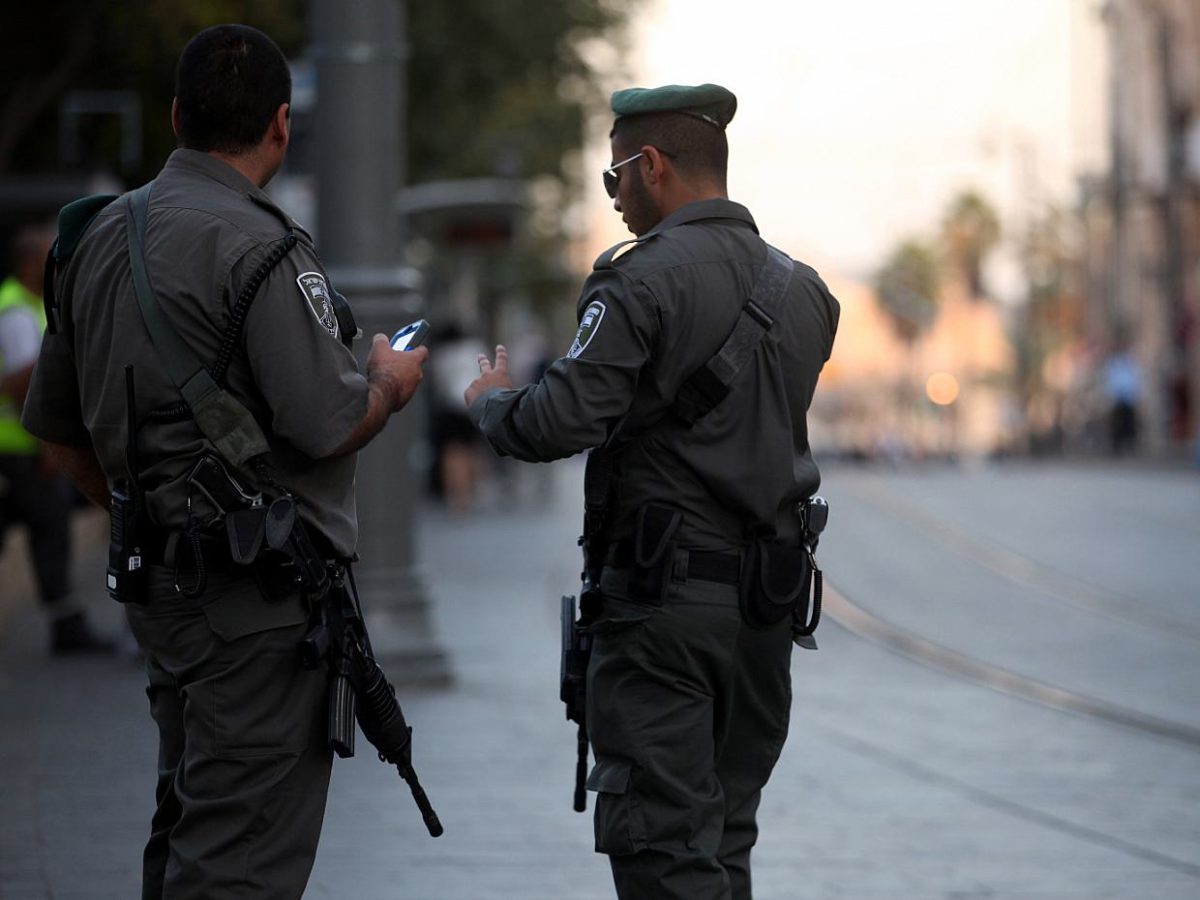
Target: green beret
{"type": "Point", "coordinates": [709, 102]}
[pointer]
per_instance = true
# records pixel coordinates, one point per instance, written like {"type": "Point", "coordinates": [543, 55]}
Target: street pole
{"type": "Point", "coordinates": [358, 47]}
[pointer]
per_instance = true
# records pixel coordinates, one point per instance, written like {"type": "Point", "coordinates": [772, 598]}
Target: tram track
{"type": "Point", "coordinates": [1022, 570]}
{"type": "Point", "coordinates": [865, 624]}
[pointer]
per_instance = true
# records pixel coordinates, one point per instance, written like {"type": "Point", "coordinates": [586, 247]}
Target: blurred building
{"type": "Point", "coordinates": [945, 394]}
{"type": "Point", "coordinates": [1147, 248]}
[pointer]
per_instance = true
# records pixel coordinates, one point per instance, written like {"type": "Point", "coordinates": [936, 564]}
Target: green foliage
{"type": "Point", "coordinates": [123, 45]}
{"type": "Point", "coordinates": [908, 286]}
{"type": "Point", "coordinates": [493, 88]}
{"type": "Point", "coordinates": [503, 88]}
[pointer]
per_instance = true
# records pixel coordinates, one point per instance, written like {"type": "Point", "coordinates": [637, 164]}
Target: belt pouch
{"type": "Point", "coordinates": [653, 552]}
{"type": "Point", "coordinates": [774, 579]}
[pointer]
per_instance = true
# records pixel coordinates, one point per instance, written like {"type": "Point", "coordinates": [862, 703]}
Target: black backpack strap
{"type": "Point", "coordinates": [711, 383]}
{"type": "Point", "coordinates": [219, 416]}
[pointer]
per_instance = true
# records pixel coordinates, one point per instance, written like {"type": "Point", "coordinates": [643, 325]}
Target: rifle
{"type": "Point", "coordinates": [576, 649]}
{"type": "Point", "coordinates": [358, 689]}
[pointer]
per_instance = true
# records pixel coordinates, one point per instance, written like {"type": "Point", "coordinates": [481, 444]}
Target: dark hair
{"type": "Point", "coordinates": [230, 81]}
{"type": "Point", "coordinates": [694, 146]}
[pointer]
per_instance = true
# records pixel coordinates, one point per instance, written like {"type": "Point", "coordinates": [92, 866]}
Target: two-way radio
{"type": "Point", "coordinates": [126, 575]}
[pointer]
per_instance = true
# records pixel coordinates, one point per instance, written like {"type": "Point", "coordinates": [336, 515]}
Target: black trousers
{"type": "Point", "coordinates": [43, 505]}
{"type": "Point", "coordinates": [244, 761]}
{"type": "Point", "coordinates": [687, 710]}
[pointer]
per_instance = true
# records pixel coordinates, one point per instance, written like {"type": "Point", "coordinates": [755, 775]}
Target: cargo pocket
{"type": "Point", "coordinates": [263, 703]}
{"type": "Point", "coordinates": [619, 827]}
{"type": "Point", "coordinates": [618, 615]}
{"type": "Point", "coordinates": [241, 610]}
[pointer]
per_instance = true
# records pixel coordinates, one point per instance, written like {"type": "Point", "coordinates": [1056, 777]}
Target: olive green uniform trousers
{"type": "Point", "coordinates": [244, 760]}
{"type": "Point", "coordinates": [687, 712]}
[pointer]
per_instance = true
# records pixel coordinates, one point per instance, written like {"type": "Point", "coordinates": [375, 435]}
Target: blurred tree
{"type": "Point", "coordinates": [908, 286]}
{"type": "Point", "coordinates": [1051, 322]}
{"type": "Point", "coordinates": [970, 229]}
{"type": "Point", "coordinates": [504, 88]}
{"type": "Point", "coordinates": [68, 45]}
{"type": "Point", "coordinates": [494, 88]}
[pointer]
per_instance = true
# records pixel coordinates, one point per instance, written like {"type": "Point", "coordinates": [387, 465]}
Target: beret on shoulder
{"type": "Point", "coordinates": [709, 102]}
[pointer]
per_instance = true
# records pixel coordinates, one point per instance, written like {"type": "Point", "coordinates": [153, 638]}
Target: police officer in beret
{"type": "Point", "coordinates": [687, 699]}
{"type": "Point", "coordinates": [244, 761]}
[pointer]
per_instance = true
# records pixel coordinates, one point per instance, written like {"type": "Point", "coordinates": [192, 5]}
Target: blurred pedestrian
{"type": "Point", "coordinates": [244, 757]}
{"type": "Point", "coordinates": [31, 492]}
{"type": "Point", "coordinates": [707, 466]}
{"type": "Point", "coordinates": [458, 450]}
{"type": "Point", "coordinates": [1123, 388]}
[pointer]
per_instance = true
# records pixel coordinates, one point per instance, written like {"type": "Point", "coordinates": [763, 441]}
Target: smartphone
{"type": "Point", "coordinates": [411, 335]}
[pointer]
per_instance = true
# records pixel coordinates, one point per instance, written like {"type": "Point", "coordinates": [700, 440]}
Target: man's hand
{"type": "Point", "coordinates": [396, 372]}
{"type": "Point", "coordinates": [490, 375]}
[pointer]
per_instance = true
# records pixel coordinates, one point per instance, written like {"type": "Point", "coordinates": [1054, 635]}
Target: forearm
{"type": "Point", "coordinates": [83, 468]}
{"type": "Point", "coordinates": [379, 409]}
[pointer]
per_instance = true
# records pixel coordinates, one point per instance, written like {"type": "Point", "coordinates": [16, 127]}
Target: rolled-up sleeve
{"type": "Point", "coordinates": [308, 378]}
{"type": "Point", "coordinates": [53, 411]}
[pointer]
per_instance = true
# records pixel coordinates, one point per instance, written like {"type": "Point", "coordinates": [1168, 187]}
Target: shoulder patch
{"type": "Point", "coordinates": [589, 324]}
{"type": "Point", "coordinates": [316, 292]}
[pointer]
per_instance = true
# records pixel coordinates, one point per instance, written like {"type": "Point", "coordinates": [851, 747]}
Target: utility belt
{"type": "Point", "coordinates": [775, 581]}
{"type": "Point", "coordinates": [685, 565]}
{"type": "Point", "coordinates": [249, 535]}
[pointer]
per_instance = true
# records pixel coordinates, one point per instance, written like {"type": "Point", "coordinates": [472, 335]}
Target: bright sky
{"type": "Point", "coordinates": [858, 120]}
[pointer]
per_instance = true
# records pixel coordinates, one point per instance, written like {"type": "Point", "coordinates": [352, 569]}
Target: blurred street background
{"type": "Point", "coordinates": [1005, 197]}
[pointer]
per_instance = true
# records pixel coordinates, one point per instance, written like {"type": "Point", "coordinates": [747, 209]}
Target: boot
{"type": "Point", "coordinates": [72, 634]}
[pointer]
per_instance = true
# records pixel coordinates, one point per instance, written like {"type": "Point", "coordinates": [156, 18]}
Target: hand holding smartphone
{"type": "Point", "coordinates": [411, 335]}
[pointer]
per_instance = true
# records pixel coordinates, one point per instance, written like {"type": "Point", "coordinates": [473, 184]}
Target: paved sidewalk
{"type": "Point", "coordinates": [897, 782]}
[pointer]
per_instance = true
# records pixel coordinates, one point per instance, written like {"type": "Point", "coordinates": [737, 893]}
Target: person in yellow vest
{"type": "Point", "coordinates": [31, 493]}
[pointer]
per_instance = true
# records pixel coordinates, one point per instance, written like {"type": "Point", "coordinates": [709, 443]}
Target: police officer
{"type": "Point", "coordinates": [687, 703]}
{"type": "Point", "coordinates": [29, 493]}
{"type": "Point", "coordinates": [244, 761]}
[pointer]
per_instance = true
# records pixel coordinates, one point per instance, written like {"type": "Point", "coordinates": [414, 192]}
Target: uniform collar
{"type": "Point", "coordinates": [199, 163]}
{"type": "Point", "coordinates": [716, 208]}
{"type": "Point", "coordinates": [211, 167]}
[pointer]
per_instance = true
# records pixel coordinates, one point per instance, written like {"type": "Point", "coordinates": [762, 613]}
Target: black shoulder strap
{"type": "Point", "coordinates": [711, 383]}
{"type": "Point", "coordinates": [219, 416]}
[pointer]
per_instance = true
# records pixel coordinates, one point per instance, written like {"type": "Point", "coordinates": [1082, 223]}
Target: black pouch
{"type": "Point", "coordinates": [775, 579]}
{"type": "Point", "coordinates": [653, 552]}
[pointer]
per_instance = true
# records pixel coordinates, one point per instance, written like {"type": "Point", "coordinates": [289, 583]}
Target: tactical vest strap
{"type": "Point", "coordinates": [711, 383]}
{"type": "Point", "coordinates": [219, 416]}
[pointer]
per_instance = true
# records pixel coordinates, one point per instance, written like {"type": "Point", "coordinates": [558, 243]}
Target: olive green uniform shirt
{"type": "Point", "coordinates": [208, 230]}
{"type": "Point", "coordinates": [650, 316]}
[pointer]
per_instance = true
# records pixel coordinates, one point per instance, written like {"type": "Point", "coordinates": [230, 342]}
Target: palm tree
{"type": "Point", "coordinates": [970, 230]}
{"type": "Point", "coordinates": [907, 286]}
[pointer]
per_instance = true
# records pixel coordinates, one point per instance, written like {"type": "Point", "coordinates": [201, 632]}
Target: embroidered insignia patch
{"type": "Point", "coordinates": [589, 324]}
{"type": "Point", "coordinates": [316, 291]}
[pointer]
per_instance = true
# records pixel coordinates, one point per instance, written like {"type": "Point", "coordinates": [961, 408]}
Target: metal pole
{"type": "Point", "coordinates": [359, 50]}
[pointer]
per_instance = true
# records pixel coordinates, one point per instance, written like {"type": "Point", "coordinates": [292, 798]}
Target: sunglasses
{"type": "Point", "coordinates": [612, 177]}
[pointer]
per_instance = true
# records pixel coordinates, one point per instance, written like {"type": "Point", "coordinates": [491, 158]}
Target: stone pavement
{"type": "Point", "coordinates": [897, 781]}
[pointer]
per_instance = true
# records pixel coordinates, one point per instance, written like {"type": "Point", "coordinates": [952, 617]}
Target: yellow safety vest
{"type": "Point", "coordinates": [13, 438]}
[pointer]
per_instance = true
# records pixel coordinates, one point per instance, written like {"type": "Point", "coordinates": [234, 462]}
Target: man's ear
{"type": "Point", "coordinates": [175, 116]}
{"type": "Point", "coordinates": [281, 124]}
{"type": "Point", "coordinates": [655, 163]}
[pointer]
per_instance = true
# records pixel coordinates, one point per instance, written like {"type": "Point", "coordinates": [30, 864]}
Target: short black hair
{"type": "Point", "coordinates": [694, 146]}
{"type": "Point", "coordinates": [230, 81]}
